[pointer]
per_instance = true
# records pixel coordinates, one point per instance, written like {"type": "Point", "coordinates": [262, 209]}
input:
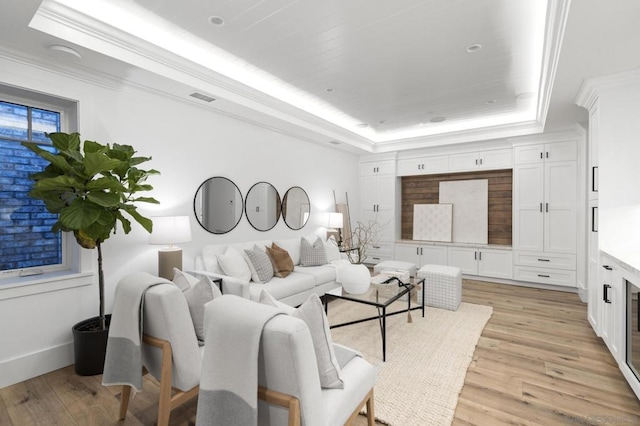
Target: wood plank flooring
{"type": "Point", "coordinates": [538, 362]}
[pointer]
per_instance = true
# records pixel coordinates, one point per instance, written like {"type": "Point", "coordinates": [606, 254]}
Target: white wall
{"type": "Point", "coordinates": [188, 144]}
{"type": "Point", "coordinates": [619, 166]}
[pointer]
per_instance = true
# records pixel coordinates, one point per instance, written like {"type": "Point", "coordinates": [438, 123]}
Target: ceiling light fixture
{"type": "Point", "coordinates": [362, 125]}
{"type": "Point", "coordinates": [437, 119]}
{"type": "Point", "coordinates": [57, 48]}
{"type": "Point", "coordinates": [218, 21]}
{"type": "Point", "coordinates": [491, 101]}
{"type": "Point", "coordinates": [474, 48]}
{"type": "Point", "coordinates": [329, 90]}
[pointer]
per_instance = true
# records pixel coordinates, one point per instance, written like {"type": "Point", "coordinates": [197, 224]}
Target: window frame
{"type": "Point", "coordinates": [67, 109]}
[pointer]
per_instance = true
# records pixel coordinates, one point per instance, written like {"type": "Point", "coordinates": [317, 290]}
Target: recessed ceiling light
{"type": "Point", "coordinates": [437, 119]}
{"type": "Point", "coordinates": [57, 48]}
{"type": "Point", "coordinates": [218, 21]}
{"type": "Point", "coordinates": [474, 48]}
{"type": "Point", "coordinates": [491, 101]}
{"type": "Point", "coordinates": [362, 125]}
{"type": "Point", "coordinates": [382, 121]}
{"type": "Point", "coordinates": [329, 89]}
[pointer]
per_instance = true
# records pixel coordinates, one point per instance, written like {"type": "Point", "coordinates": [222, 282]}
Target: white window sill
{"type": "Point", "coordinates": [54, 281]}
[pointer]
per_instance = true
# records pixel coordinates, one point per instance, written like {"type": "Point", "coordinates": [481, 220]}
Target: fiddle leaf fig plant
{"type": "Point", "coordinates": [90, 186]}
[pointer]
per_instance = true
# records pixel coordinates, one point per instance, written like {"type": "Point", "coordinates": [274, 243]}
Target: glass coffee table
{"type": "Point", "coordinates": [381, 300]}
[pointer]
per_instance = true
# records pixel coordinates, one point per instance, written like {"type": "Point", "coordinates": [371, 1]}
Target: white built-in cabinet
{"type": "Point", "coordinates": [545, 185]}
{"type": "Point", "coordinates": [422, 254]}
{"type": "Point", "coordinates": [610, 299]}
{"type": "Point", "coordinates": [490, 159]}
{"type": "Point", "coordinates": [378, 184]}
{"type": "Point", "coordinates": [482, 262]}
{"type": "Point", "coordinates": [423, 165]}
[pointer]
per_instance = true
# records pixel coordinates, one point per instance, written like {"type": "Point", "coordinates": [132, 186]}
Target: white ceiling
{"type": "Point", "coordinates": [318, 69]}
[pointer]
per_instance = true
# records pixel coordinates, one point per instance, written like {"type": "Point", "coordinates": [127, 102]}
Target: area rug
{"type": "Point", "coordinates": [427, 359]}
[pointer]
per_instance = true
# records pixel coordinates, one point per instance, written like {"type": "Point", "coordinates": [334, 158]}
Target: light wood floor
{"type": "Point", "coordinates": [538, 362]}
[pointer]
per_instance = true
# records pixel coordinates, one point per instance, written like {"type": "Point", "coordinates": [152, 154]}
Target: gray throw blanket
{"type": "Point", "coordinates": [229, 379]}
{"type": "Point", "coordinates": [123, 361]}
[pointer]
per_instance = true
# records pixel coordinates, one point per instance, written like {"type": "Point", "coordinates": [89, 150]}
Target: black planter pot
{"type": "Point", "coordinates": [90, 346]}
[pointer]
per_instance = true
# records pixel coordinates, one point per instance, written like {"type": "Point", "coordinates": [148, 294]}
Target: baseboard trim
{"type": "Point", "coordinates": [522, 283]}
{"type": "Point", "coordinates": [17, 370]}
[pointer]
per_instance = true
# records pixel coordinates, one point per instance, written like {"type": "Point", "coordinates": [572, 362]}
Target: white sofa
{"type": "Point", "coordinates": [292, 290]}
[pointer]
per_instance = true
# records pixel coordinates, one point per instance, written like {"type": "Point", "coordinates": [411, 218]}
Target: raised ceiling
{"type": "Point", "coordinates": [375, 74]}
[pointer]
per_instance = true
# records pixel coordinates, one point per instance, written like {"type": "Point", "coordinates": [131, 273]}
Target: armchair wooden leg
{"type": "Point", "coordinates": [124, 401]}
{"type": "Point", "coordinates": [370, 417]}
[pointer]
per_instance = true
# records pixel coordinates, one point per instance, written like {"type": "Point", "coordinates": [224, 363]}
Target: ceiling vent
{"type": "Point", "coordinates": [202, 97]}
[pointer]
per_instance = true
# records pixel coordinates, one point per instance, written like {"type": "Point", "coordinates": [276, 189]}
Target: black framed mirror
{"type": "Point", "coordinates": [295, 208]}
{"type": "Point", "coordinates": [218, 205]}
{"type": "Point", "coordinates": [262, 206]}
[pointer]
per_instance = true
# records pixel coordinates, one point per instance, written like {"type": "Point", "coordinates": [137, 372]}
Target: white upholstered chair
{"type": "Point", "coordinates": [170, 350]}
{"type": "Point", "coordinates": [289, 391]}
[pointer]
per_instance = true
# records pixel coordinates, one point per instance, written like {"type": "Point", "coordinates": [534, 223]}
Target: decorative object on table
{"type": "Point", "coordinates": [218, 205]}
{"type": "Point", "coordinates": [470, 199]}
{"type": "Point", "coordinates": [389, 283]}
{"type": "Point", "coordinates": [170, 230]}
{"type": "Point", "coordinates": [355, 278]}
{"type": "Point", "coordinates": [432, 222]}
{"type": "Point", "coordinates": [336, 222]}
{"type": "Point", "coordinates": [90, 186]}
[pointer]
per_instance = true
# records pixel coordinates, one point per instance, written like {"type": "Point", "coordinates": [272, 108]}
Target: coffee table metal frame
{"type": "Point", "coordinates": [380, 302]}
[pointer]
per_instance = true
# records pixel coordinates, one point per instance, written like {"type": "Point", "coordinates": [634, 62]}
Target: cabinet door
{"type": "Point", "coordinates": [410, 167]}
{"type": "Point", "coordinates": [528, 154]}
{"type": "Point", "coordinates": [560, 207]}
{"type": "Point", "coordinates": [495, 263]}
{"type": "Point", "coordinates": [561, 151]}
{"type": "Point", "coordinates": [408, 253]}
{"type": "Point", "coordinates": [435, 164]}
{"type": "Point", "coordinates": [465, 161]}
{"type": "Point", "coordinates": [434, 255]}
{"type": "Point", "coordinates": [368, 193]}
{"type": "Point", "coordinates": [593, 268]}
{"type": "Point", "coordinates": [465, 259]}
{"type": "Point", "coordinates": [611, 299]}
{"type": "Point", "coordinates": [528, 197]}
{"type": "Point", "coordinates": [385, 188]}
{"type": "Point", "coordinates": [496, 159]}
{"type": "Point", "coordinates": [371, 168]}
{"type": "Point", "coordinates": [384, 230]}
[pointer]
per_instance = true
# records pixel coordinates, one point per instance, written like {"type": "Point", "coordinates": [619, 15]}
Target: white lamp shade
{"type": "Point", "coordinates": [335, 220]}
{"type": "Point", "coordinates": [170, 230]}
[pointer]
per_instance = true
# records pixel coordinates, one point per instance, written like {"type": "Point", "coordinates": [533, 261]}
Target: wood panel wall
{"type": "Point", "coordinates": [426, 190]}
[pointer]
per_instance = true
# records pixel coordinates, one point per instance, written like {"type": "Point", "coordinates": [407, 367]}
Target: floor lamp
{"type": "Point", "coordinates": [170, 230]}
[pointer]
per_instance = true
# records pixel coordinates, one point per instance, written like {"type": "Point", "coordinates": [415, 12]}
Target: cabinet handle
{"type": "Point", "coordinates": [421, 253]}
{"type": "Point", "coordinates": [547, 154]}
{"type": "Point", "coordinates": [547, 207]}
{"type": "Point", "coordinates": [594, 181]}
{"type": "Point", "coordinates": [376, 247]}
{"type": "Point", "coordinates": [417, 251]}
{"type": "Point", "coordinates": [544, 260]}
{"type": "Point", "coordinates": [476, 161]}
{"type": "Point", "coordinates": [607, 267]}
{"type": "Point", "coordinates": [479, 255]}
{"type": "Point", "coordinates": [475, 255]}
{"type": "Point", "coordinates": [541, 156]}
{"type": "Point", "coordinates": [594, 221]}
{"type": "Point", "coordinates": [543, 276]}
{"type": "Point", "coordinates": [376, 258]}
{"type": "Point", "coordinates": [540, 207]}
{"type": "Point", "coordinates": [481, 161]}
{"type": "Point", "coordinates": [605, 293]}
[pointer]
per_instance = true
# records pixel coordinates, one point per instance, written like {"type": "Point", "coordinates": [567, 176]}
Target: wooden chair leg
{"type": "Point", "coordinates": [164, 405]}
{"type": "Point", "coordinates": [370, 416]}
{"type": "Point", "coordinates": [124, 401]}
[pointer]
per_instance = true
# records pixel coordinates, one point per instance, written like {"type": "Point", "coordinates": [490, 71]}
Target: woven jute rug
{"type": "Point", "coordinates": [427, 359]}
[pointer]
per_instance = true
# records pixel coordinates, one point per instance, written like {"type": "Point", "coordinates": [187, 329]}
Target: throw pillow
{"type": "Point", "coordinates": [312, 255]}
{"type": "Point", "coordinates": [261, 264]}
{"type": "Point", "coordinates": [198, 294]}
{"type": "Point", "coordinates": [267, 299]}
{"type": "Point", "coordinates": [282, 263]}
{"type": "Point", "coordinates": [331, 249]}
{"type": "Point", "coordinates": [234, 265]}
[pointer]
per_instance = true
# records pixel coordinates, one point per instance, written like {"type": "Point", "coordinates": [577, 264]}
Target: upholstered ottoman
{"type": "Point", "coordinates": [443, 286]}
{"type": "Point", "coordinates": [395, 265]}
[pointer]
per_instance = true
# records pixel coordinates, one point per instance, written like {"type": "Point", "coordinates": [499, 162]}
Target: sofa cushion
{"type": "Point", "coordinates": [210, 255]}
{"type": "Point", "coordinates": [281, 260]}
{"type": "Point", "coordinates": [321, 274]}
{"type": "Point", "coordinates": [281, 288]}
{"type": "Point", "coordinates": [233, 264]}
{"type": "Point", "coordinates": [259, 264]}
{"type": "Point", "coordinates": [312, 254]}
{"type": "Point", "coordinates": [197, 292]}
{"type": "Point", "coordinates": [331, 249]}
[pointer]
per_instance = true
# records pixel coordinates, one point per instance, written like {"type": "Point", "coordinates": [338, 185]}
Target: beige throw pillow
{"type": "Point", "coordinates": [282, 263]}
{"type": "Point", "coordinates": [197, 292]}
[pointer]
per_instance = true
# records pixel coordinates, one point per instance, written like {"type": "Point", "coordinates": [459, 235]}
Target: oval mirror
{"type": "Point", "coordinates": [262, 206]}
{"type": "Point", "coordinates": [218, 205]}
{"type": "Point", "coordinates": [295, 208]}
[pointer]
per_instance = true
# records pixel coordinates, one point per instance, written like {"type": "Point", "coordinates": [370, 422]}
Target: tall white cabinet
{"type": "Point", "coordinates": [545, 185]}
{"type": "Point", "coordinates": [378, 188]}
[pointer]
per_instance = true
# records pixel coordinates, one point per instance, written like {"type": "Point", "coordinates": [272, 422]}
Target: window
{"type": "Point", "coordinates": [27, 245]}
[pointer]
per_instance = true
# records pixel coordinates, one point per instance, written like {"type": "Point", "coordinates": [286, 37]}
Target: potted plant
{"type": "Point", "coordinates": [89, 186]}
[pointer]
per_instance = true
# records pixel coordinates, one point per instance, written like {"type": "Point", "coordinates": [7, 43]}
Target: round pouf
{"type": "Point", "coordinates": [355, 279]}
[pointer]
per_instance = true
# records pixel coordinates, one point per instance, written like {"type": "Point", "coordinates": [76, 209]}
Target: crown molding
{"type": "Point", "coordinates": [590, 89]}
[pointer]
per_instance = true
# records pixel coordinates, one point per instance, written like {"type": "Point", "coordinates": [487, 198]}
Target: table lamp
{"type": "Point", "coordinates": [335, 226]}
{"type": "Point", "coordinates": [170, 230]}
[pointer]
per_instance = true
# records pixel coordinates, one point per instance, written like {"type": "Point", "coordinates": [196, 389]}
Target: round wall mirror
{"type": "Point", "coordinates": [295, 208]}
{"type": "Point", "coordinates": [218, 205]}
{"type": "Point", "coordinates": [263, 206]}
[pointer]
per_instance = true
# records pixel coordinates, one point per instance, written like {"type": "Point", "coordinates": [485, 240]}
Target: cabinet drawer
{"type": "Point", "coordinates": [379, 252]}
{"type": "Point", "coordinates": [545, 276]}
{"type": "Point", "coordinates": [545, 260]}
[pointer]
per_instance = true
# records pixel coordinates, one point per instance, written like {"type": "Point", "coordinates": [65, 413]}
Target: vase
{"type": "Point", "coordinates": [356, 279]}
